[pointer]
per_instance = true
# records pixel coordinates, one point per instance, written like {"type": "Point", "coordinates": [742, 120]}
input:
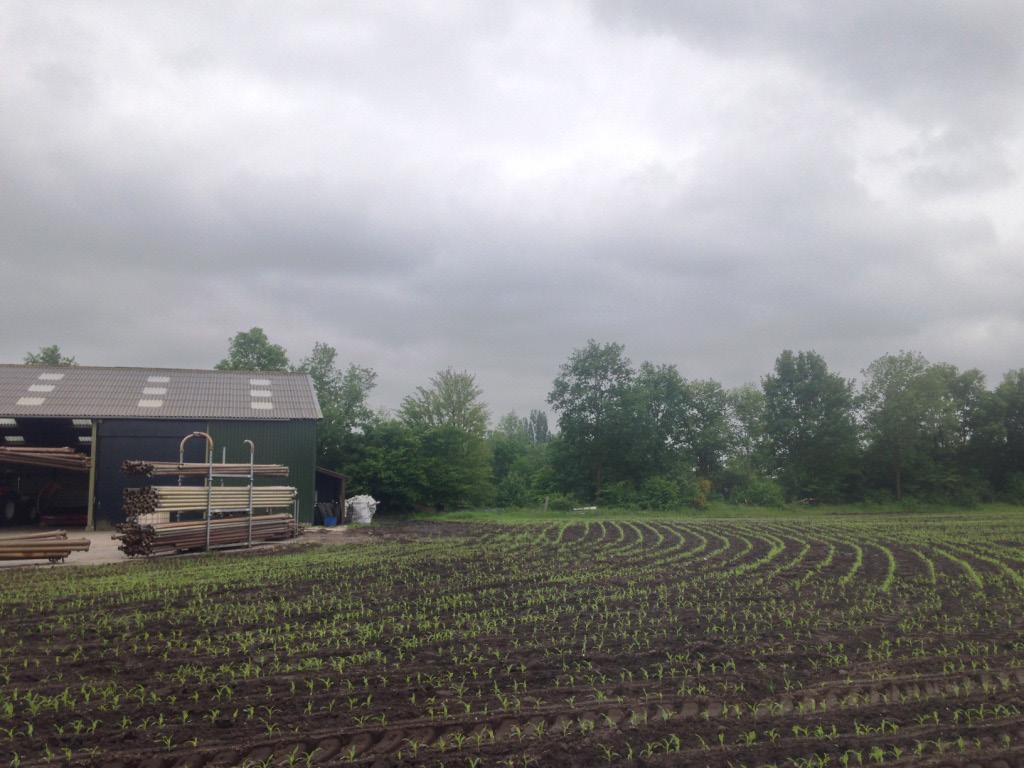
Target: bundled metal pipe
{"type": "Point", "coordinates": [58, 534]}
{"type": "Point", "coordinates": [57, 458]}
{"type": "Point", "coordinates": [194, 498]}
{"type": "Point", "coordinates": [195, 469]}
{"type": "Point", "coordinates": [51, 545]}
{"type": "Point", "coordinates": [167, 538]}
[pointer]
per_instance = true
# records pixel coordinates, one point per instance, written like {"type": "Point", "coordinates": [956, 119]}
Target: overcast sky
{"type": "Point", "coordinates": [487, 185]}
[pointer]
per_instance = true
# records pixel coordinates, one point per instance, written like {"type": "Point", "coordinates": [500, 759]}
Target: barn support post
{"type": "Point", "coordinates": [90, 509]}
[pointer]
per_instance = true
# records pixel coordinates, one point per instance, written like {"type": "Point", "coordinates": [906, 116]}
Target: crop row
{"type": "Point", "coordinates": [745, 642]}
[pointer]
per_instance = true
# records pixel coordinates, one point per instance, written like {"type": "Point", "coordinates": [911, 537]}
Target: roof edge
{"type": "Point", "coordinates": [151, 368]}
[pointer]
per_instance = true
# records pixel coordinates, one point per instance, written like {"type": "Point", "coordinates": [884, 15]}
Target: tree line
{"type": "Point", "coordinates": [910, 429]}
{"type": "Point", "coordinates": [644, 436]}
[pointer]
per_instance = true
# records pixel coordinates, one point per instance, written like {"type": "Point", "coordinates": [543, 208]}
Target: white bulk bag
{"type": "Point", "coordinates": [362, 508]}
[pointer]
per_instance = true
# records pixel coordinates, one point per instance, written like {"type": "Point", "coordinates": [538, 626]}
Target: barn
{"type": "Point", "coordinates": [114, 414]}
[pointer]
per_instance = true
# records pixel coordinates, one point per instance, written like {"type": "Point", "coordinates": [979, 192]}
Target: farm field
{"type": "Point", "coordinates": [802, 642]}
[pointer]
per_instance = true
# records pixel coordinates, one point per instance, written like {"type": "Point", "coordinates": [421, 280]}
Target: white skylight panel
{"type": "Point", "coordinates": [261, 405]}
{"type": "Point", "coordinates": [51, 376]}
{"type": "Point", "coordinates": [154, 390]}
{"type": "Point", "coordinates": [259, 382]}
{"type": "Point", "coordinates": [40, 388]}
{"type": "Point", "coordinates": [151, 403]}
{"type": "Point", "coordinates": [28, 401]}
{"type": "Point", "coordinates": [260, 393]}
{"type": "Point", "coordinates": [158, 379]}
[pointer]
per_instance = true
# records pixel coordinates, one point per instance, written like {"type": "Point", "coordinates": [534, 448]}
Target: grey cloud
{"type": "Point", "coordinates": [941, 67]}
{"type": "Point", "coordinates": [939, 62]}
{"type": "Point", "coordinates": [956, 163]}
{"type": "Point", "coordinates": [488, 186]}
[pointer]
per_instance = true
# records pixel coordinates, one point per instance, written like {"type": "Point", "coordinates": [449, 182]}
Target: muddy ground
{"type": "Point", "coordinates": [719, 643]}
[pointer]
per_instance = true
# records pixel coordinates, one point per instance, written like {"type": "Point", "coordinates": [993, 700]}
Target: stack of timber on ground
{"type": "Point", "coordinates": [190, 469]}
{"type": "Point", "coordinates": [49, 545]}
{"type": "Point", "coordinates": [169, 538]}
{"type": "Point", "coordinates": [195, 498]}
{"type": "Point", "coordinates": [57, 458]}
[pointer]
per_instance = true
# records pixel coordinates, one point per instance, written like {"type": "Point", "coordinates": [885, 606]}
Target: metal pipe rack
{"type": "Point", "coordinates": [212, 475]}
{"type": "Point", "coordinates": [140, 537]}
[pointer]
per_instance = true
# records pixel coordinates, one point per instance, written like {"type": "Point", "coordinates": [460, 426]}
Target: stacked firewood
{"type": "Point", "coordinates": [195, 498]}
{"type": "Point", "coordinates": [58, 458]}
{"type": "Point", "coordinates": [169, 538]}
{"type": "Point", "coordinates": [189, 469]}
{"type": "Point", "coordinates": [48, 545]}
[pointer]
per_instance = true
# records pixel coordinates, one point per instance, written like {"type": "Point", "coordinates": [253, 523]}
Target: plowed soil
{"type": "Point", "coordinates": [881, 641]}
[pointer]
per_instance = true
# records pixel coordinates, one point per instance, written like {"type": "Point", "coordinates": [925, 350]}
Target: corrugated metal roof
{"type": "Point", "coordinates": [154, 393]}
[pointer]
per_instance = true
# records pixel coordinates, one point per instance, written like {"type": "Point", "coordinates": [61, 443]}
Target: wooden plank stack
{"type": "Point", "coordinates": [189, 469]}
{"type": "Point", "coordinates": [169, 538]}
{"type": "Point", "coordinates": [48, 545]}
{"type": "Point", "coordinates": [57, 458]}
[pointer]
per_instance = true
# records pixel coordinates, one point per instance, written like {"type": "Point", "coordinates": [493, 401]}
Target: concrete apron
{"type": "Point", "coordinates": [103, 549]}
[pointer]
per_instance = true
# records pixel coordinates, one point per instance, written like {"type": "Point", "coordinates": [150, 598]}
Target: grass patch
{"type": "Point", "coordinates": [721, 511]}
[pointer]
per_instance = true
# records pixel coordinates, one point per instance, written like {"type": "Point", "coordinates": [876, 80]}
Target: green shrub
{"type": "Point", "coordinates": [1013, 490]}
{"type": "Point", "coordinates": [513, 491]}
{"type": "Point", "coordinates": [759, 491]}
{"type": "Point", "coordinates": [559, 502]}
{"type": "Point", "coordinates": [878, 496]}
{"type": "Point", "coordinates": [622, 494]}
{"type": "Point", "coordinates": [658, 493]}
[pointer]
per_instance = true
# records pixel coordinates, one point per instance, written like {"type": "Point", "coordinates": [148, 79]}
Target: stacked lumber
{"type": "Point", "coordinates": [193, 498]}
{"type": "Point", "coordinates": [57, 458]}
{"type": "Point", "coordinates": [49, 545]}
{"type": "Point", "coordinates": [169, 538]}
{"type": "Point", "coordinates": [190, 469]}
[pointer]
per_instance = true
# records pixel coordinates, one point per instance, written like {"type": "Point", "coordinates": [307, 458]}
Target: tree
{"type": "Point", "coordinates": [252, 351]}
{"type": "Point", "coordinates": [746, 477]}
{"type": "Point", "coordinates": [510, 441]}
{"type": "Point", "coordinates": [591, 397]}
{"type": "Point", "coordinates": [746, 409]}
{"type": "Point", "coordinates": [387, 465]}
{"type": "Point", "coordinates": [659, 402]}
{"type": "Point", "coordinates": [708, 433]}
{"type": "Point", "coordinates": [912, 422]}
{"type": "Point", "coordinates": [810, 427]}
{"type": "Point", "coordinates": [1009, 397]}
{"type": "Point", "coordinates": [50, 355]}
{"type": "Point", "coordinates": [679, 422]}
{"type": "Point", "coordinates": [519, 457]}
{"type": "Point", "coordinates": [980, 431]}
{"type": "Point", "coordinates": [455, 468]}
{"type": "Point", "coordinates": [343, 397]}
{"type": "Point", "coordinates": [452, 400]}
{"type": "Point", "coordinates": [449, 424]}
{"type": "Point", "coordinates": [532, 429]}
{"type": "Point", "coordinates": [892, 412]}
{"type": "Point", "coordinates": [537, 427]}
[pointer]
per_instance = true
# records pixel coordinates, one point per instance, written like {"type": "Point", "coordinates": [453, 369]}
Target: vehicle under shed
{"type": "Point", "coordinates": [117, 414]}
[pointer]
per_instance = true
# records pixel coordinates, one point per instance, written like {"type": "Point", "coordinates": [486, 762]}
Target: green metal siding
{"type": "Point", "coordinates": [292, 443]}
